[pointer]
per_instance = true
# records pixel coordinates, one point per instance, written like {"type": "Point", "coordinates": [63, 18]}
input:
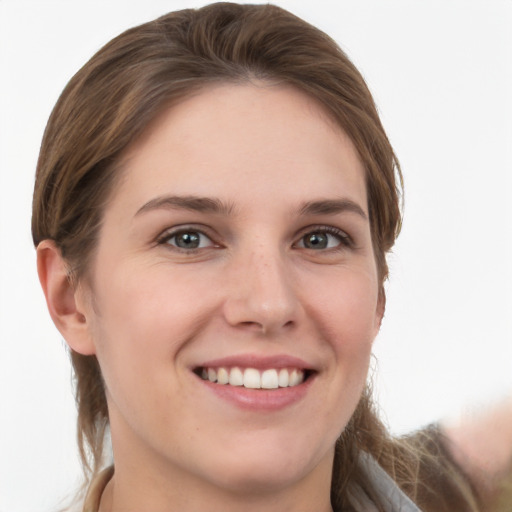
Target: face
{"type": "Point", "coordinates": [233, 298]}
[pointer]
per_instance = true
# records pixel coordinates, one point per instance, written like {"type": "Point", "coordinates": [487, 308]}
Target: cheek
{"type": "Point", "coordinates": [347, 311]}
{"type": "Point", "coordinates": [133, 324]}
{"type": "Point", "coordinates": [146, 317]}
{"type": "Point", "coordinates": [348, 323]}
{"type": "Point", "coordinates": [143, 324]}
{"type": "Point", "coordinates": [142, 303]}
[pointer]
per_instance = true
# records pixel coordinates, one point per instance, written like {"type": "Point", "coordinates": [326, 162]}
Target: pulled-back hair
{"type": "Point", "coordinates": [111, 101]}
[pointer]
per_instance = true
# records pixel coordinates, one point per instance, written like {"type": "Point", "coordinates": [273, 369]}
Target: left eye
{"type": "Point", "coordinates": [318, 240]}
{"type": "Point", "coordinates": [188, 240]}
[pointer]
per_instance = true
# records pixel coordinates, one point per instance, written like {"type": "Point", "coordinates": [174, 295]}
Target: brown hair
{"type": "Point", "coordinates": [109, 103]}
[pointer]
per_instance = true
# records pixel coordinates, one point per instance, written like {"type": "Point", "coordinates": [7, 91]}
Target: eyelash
{"type": "Point", "coordinates": [345, 241]}
{"type": "Point", "coordinates": [169, 235]}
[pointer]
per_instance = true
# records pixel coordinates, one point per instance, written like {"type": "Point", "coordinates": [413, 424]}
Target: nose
{"type": "Point", "coordinates": [261, 295]}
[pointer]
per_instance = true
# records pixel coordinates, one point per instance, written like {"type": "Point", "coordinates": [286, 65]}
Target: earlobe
{"type": "Point", "coordinates": [63, 298]}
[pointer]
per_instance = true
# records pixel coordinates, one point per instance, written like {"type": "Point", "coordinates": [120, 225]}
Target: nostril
{"type": "Point", "coordinates": [254, 326]}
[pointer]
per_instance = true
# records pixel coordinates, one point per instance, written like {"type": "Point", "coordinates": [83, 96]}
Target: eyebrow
{"type": "Point", "coordinates": [214, 205]}
{"type": "Point", "coordinates": [192, 203]}
{"type": "Point", "coordinates": [331, 207]}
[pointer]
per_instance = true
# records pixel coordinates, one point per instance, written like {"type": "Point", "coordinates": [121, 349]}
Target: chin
{"type": "Point", "coordinates": [271, 468]}
{"type": "Point", "coordinates": [259, 480]}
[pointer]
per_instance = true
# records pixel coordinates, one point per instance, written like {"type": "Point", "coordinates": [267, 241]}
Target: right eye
{"type": "Point", "coordinates": [187, 240]}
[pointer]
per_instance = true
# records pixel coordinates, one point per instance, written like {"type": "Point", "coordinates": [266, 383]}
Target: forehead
{"type": "Point", "coordinates": [239, 138]}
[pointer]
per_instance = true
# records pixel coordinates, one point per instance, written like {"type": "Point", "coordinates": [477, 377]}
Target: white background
{"type": "Point", "coordinates": [441, 73]}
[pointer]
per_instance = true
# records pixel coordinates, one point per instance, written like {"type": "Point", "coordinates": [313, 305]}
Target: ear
{"type": "Point", "coordinates": [381, 308]}
{"type": "Point", "coordinates": [66, 302]}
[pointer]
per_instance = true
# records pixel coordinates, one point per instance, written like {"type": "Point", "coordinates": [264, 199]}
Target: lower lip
{"type": "Point", "coordinates": [260, 399]}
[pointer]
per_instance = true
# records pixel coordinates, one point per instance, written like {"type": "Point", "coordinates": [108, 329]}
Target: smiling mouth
{"type": "Point", "coordinates": [252, 378]}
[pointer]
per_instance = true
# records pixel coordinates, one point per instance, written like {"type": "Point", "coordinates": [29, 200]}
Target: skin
{"type": "Point", "coordinates": [152, 312]}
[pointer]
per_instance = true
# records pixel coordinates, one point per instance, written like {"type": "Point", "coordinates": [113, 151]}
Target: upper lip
{"type": "Point", "coordinates": [257, 361]}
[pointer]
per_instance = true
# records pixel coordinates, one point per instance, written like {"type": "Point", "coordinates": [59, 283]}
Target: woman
{"type": "Point", "coordinates": [214, 200]}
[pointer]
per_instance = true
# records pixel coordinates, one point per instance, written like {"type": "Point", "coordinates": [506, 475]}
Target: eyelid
{"type": "Point", "coordinates": [345, 239]}
{"type": "Point", "coordinates": [169, 233]}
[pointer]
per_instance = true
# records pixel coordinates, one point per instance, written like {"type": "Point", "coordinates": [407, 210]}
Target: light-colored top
{"type": "Point", "coordinates": [93, 497]}
{"type": "Point", "coordinates": [391, 496]}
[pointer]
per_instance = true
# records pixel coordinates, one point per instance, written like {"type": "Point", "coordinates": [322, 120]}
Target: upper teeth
{"type": "Point", "coordinates": [254, 379]}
